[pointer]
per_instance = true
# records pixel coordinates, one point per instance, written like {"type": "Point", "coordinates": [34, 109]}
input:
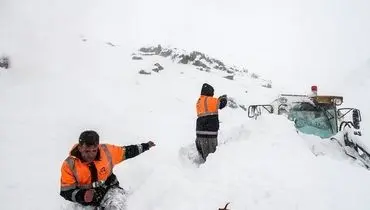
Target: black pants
{"type": "Point", "coordinates": [205, 146]}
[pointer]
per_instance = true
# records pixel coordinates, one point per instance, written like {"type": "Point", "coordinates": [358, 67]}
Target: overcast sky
{"type": "Point", "coordinates": [313, 40]}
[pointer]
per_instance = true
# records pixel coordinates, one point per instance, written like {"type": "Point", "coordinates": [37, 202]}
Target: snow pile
{"type": "Point", "coordinates": [259, 164]}
{"type": "Point", "coordinates": [65, 78]}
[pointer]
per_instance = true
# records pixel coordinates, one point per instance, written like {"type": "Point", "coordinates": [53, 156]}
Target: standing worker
{"type": "Point", "coordinates": [207, 122]}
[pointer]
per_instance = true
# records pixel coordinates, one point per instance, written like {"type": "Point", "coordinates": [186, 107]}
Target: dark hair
{"type": "Point", "coordinates": [89, 138]}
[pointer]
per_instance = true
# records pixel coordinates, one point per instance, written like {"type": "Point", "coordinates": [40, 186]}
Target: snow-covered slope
{"type": "Point", "coordinates": [72, 69]}
{"type": "Point", "coordinates": [261, 164]}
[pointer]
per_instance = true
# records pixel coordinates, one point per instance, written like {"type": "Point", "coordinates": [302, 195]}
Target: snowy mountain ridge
{"type": "Point", "coordinates": [198, 59]}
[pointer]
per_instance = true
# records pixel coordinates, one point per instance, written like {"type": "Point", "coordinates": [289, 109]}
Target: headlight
{"type": "Point", "coordinates": [283, 100]}
{"type": "Point", "coordinates": [337, 101]}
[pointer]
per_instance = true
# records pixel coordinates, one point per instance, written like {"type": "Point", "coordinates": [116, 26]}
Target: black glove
{"type": "Point", "coordinates": [111, 181]}
{"type": "Point", "coordinates": [99, 194]}
{"type": "Point", "coordinates": [151, 144]}
{"type": "Point", "coordinates": [147, 146]}
{"type": "Point", "coordinates": [223, 96]}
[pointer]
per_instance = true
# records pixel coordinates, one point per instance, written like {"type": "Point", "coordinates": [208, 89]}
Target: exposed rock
{"type": "Point", "coordinates": [268, 85]}
{"type": "Point", "coordinates": [196, 58]}
{"type": "Point", "coordinates": [255, 76]}
{"type": "Point", "coordinates": [158, 67]}
{"type": "Point", "coordinates": [184, 59]}
{"type": "Point", "coordinates": [201, 64]}
{"type": "Point", "coordinates": [174, 56]}
{"type": "Point", "coordinates": [144, 72]}
{"type": "Point", "coordinates": [230, 77]}
{"type": "Point", "coordinates": [222, 68]}
{"type": "Point", "coordinates": [151, 50]}
{"type": "Point", "coordinates": [230, 71]}
{"type": "Point", "coordinates": [195, 55]}
{"type": "Point", "coordinates": [165, 52]}
{"type": "Point", "coordinates": [110, 44]}
{"type": "Point", "coordinates": [218, 62]}
{"type": "Point", "coordinates": [135, 57]}
{"type": "Point", "coordinates": [4, 62]}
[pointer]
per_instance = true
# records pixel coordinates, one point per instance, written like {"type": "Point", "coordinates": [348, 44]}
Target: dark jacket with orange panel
{"type": "Point", "coordinates": [207, 112]}
{"type": "Point", "coordinates": [78, 176]}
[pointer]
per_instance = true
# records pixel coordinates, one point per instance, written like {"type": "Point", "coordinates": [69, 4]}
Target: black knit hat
{"type": "Point", "coordinates": [207, 90]}
{"type": "Point", "coordinates": [89, 138]}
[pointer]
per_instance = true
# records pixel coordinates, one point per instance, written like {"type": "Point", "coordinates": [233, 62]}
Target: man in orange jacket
{"type": "Point", "coordinates": [87, 174]}
{"type": "Point", "coordinates": [207, 122]}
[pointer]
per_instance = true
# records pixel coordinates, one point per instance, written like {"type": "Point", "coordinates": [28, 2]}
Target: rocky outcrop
{"type": "Point", "coordinates": [200, 60]}
{"type": "Point", "coordinates": [4, 62]}
{"type": "Point", "coordinates": [230, 77]}
{"type": "Point", "coordinates": [157, 68]}
{"type": "Point", "coordinates": [135, 57]}
{"type": "Point", "coordinates": [144, 72]}
{"type": "Point", "coordinates": [195, 58]}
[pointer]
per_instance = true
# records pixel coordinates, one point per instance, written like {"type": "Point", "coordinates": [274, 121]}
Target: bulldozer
{"type": "Point", "coordinates": [321, 116]}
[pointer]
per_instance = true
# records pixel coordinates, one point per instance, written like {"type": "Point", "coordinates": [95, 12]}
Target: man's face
{"type": "Point", "coordinates": [88, 153]}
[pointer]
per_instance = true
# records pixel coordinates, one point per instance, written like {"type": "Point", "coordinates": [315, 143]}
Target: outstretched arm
{"type": "Point", "coordinates": [121, 153]}
{"type": "Point", "coordinates": [135, 150]}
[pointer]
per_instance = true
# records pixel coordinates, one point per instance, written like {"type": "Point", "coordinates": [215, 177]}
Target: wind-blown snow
{"type": "Point", "coordinates": [63, 81]}
{"type": "Point", "coordinates": [259, 164]}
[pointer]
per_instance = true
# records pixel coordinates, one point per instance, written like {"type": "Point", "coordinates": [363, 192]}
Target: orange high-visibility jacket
{"type": "Point", "coordinates": [207, 105]}
{"type": "Point", "coordinates": [75, 173]}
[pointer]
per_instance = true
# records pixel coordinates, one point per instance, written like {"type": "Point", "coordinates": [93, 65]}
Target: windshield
{"type": "Point", "coordinates": [313, 119]}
